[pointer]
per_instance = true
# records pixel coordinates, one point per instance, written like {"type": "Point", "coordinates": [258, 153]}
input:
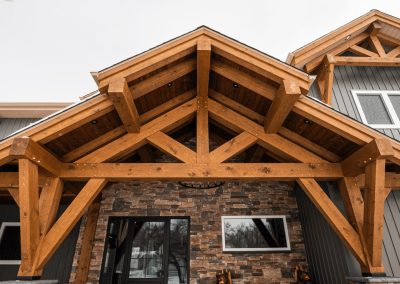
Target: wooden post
{"type": "Point", "coordinates": [203, 74]}
{"type": "Point", "coordinates": [29, 216]}
{"type": "Point", "coordinates": [375, 194]}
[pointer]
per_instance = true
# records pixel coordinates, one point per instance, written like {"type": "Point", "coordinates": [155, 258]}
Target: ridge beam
{"type": "Point", "coordinates": [285, 98]}
{"type": "Point", "coordinates": [122, 99]}
{"type": "Point", "coordinates": [380, 148]}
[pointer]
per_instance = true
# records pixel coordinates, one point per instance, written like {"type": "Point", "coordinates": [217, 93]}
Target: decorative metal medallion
{"type": "Point", "coordinates": [201, 185]}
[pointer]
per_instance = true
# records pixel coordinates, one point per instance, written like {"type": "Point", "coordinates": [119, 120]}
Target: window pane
{"type": "Point", "coordinates": [147, 250]}
{"type": "Point", "coordinates": [10, 247]}
{"type": "Point", "coordinates": [242, 233]}
{"type": "Point", "coordinates": [374, 109]}
{"type": "Point", "coordinates": [395, 99]}
{"type": "Point", "coordinates": [178, 251]}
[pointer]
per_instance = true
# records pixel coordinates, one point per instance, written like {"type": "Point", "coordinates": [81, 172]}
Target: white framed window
{"type": "Point", "coordinates": [10, 246]}
{"type": "Point", "coordinates": [378, 109]}
{"type": "Point", "coordinates": [255, 233]}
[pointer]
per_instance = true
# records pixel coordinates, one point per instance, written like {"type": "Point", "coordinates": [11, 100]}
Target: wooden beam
{"type": "Point", "coordinates": [374, 198]}
{"type": "Point", "coordinates": [203, 77]}
{"type": "Point", "coordinates": [25, 147]}
{"type": "Point", "coordinates": [392, 180]}
{"type": "Point", "coordinates": [71, 120]}
{"type": "Point", "coordinates": [14, 192]}
{"type": "Point", "coordinates": [11, 180]}
{"type": "Point", "coordinates": [259, 63]}
{"type": "Point", "coordinates": [172, 147]}
{"type": "Point", "coordinates": [354, 204]}
{"type": "Point", "coordinates": [87, 243]}
{"type": "Point", "coordinates": [394, 52]}
{"type": "Point", "coordinates": [354, 40]}
{"type": "Point", "coordinates": [60, 230]}
{"type": "Point", "coordinates": [93, 144]}
{"type": "Point", "coordinates": [133, 141]}
{"type": "Point", "coordinates": [275, 143]}
{"type": "Point", "coordinates": [148, 62]}
{"type": "Point", "coordinates": [361, 51]}
{"type": "Point", "coordinates": [163, 78]}
{"type": "Point", "coordinates": [325, 79]}
{"type": "Point", "coordinates": [292, 136]}
{"type": "Point", "coordinates": [376, 149]}
{"type": "Point", "coordinates": [233, 147]}
{"type": "Point", "coordinates": [374, 28]}
{"type": "Point", "coordinates": [29, 214]}
{"type": "Point", "coordinates": [366, 61]}
{"type": "Point", "coordinates": [180, 171]}
{"type": "Point", "coordinates": [167, 106]}
{"type": "Point", "coordinates": [122, 99]}
{"type": "Point", "coordinates": [284, 100]}
{"type": "Point", "coordinates": [377, 46]}
{"type": "Point", "coordinates": [353, 201]}
{"type": "Point", "coordinates": [334, 217]}
{"type": "Point", "coordinates": [48, 203]}
{"type": "Point", "coordinates": [244, 79]}
{"type": "Point", "coordinates": [60, 124]}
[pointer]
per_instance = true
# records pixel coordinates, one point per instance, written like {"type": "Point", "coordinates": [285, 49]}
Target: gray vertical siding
{"type": "Point", "coordinates": [391, 234]}
{"type": "Point", "coordinates": [10, 125]}
{"type": "Point", "coordinates": [59, 266]}
{"type": "Point", "coordinates": [329, 260]}
{"type": "Point", "coordinates": [347, 78]}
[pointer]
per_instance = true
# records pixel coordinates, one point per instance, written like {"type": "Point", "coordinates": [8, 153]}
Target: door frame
{"type": "Point", "coordinates": [131, 219]}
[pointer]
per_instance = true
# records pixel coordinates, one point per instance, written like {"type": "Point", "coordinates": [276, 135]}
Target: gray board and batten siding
{"type": "Point", "coordinates": [348, 78]}
{"type": "Point", "coordinates": [325, 251]}
{"type": "Point", "coordinates": [59, 265]}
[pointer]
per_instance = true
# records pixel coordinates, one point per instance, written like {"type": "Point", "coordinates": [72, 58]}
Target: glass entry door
{"type": "Point", "coordinates": [146, 250]}
{"type": "Point", "coordinates": [147, 261]}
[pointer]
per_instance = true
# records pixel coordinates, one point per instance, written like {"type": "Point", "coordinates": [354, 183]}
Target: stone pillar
{"type": "Point", "coordinates": [382, 280]}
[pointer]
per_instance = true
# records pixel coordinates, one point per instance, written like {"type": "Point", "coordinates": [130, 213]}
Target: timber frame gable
{"type": "Point", "coordinates": [370, 40]}
{"type": "Point", "coordinates": [215, 89]}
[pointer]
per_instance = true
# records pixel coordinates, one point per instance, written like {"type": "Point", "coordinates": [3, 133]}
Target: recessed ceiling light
{"type": "Point", "coordinates": [169, 84]}
{"type": "Point", "coordinates": [235, 85]}
{"type": "Point", "coordinates": [94, 121]}
{"type": "Point", "coordinates": [307, 121]}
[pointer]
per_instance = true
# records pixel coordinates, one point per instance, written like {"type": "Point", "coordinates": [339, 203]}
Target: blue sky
{"type": "Point", "coordinates": [48, 48]}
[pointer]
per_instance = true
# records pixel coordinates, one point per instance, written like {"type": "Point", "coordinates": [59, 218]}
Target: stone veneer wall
{"type": "Point", "coordinates": [205, 208]}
